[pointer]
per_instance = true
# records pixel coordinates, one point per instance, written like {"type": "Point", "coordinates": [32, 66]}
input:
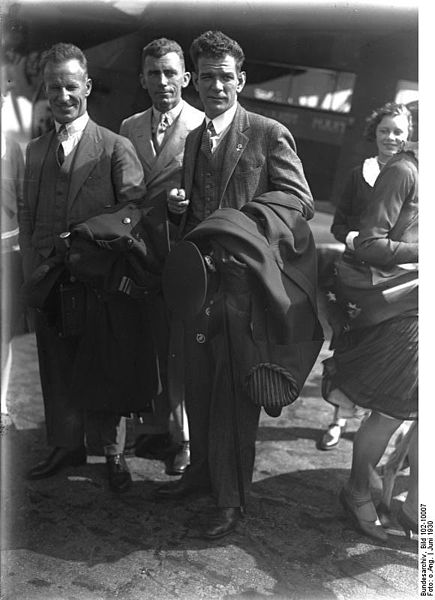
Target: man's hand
{"type": "Point", "coordinates": [177, 202]}
{"type": "Point", "coordinates": [235, 275]}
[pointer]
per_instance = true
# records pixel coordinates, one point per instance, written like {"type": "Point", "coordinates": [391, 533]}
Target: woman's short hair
{"type": "Point", "coordinates": [215, 44]}
{"type": "Point", "coordinates": [390, 109]}
{"type": "Point", "coordinates": [60, 53]}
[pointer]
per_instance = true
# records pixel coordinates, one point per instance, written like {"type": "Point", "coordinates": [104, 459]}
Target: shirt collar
{"type": "Point", "coordinates": [76, 126]}
{"type": "Point", "coordinates": [171, 114]}
{"type": "Point", "coordinates": [221, 122]}
{"type": "Point", "coordinates": [370, 170]}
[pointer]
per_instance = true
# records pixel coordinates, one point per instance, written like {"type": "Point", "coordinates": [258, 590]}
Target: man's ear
{"type": "Point", "coordinates": [186, 79]}
{"type": "Point", "coordinates": [195, 80]}
{"type": "Point", "coordinates": [142, 81]}
{"type": "Point", "coordinates": [241, 81]}
{"type": "Point", "coordinates": [88, 87]}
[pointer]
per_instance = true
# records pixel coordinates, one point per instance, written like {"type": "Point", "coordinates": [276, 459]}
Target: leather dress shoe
{"type": "Point", "coordinates": [222, 523]}
{"type": "Point", "coordinates": [153, 446]}
{"type": "Point", "coordinates": [175, 490]}
{"type": "Point", "coordinates": [119, 475]}
{"type": "Point", "coordinates": [177, 463]}
{"type": "Point", "coordinates": [331, 437]}
{"type": "Point", "coordinates": [363, 515]}
{"type": "Point", "coordinates": [58, 458]}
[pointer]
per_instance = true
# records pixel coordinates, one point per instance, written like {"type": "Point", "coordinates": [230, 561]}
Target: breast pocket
{"type": "Point", "coordinates": [247, 183]}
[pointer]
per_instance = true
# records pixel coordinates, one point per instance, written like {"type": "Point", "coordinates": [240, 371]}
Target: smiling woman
{"type": "Point", "coordinates": [389, 127]}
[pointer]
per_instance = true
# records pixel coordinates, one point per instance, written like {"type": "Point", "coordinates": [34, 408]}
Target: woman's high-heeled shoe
{"type": "Point", "coordinates": [408, 525]}
{"type": "Point", "coordinates": [331, 437]}
{"type": "Point", "coordinates": [363, 515]}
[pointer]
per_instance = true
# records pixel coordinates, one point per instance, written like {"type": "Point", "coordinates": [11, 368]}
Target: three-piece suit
{"type": "Point", "coordinates": [102, 171]}
{"type": "Point", "coordinates": [257, 156]}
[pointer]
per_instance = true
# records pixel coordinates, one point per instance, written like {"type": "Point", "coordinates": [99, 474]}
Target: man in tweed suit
{"type": "Point", "coordinates": [232, 158]}
{"type": "Point", "coordinates": [159, 134]}
{"type": "Point", "coordinates": [72, 172]}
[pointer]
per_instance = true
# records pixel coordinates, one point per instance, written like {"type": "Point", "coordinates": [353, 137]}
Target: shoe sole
{"type": "Point", "coordinates": [193, 493]}
{"type": "Point", "coordinates": [73, 463]}
{"type": "Point", "coordinates": [326, 448]}
{"type": "Point", "coordinates": [220, 535]}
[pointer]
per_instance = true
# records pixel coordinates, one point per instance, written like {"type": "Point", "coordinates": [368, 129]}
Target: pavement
{"type": "Point", "coordinates": [69, 538]}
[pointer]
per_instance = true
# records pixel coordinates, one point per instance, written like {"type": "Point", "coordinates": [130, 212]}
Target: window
{"type": "Point", "coordinates": [300, 86]}
{"type": "Point", "coordinates": [406, 92]}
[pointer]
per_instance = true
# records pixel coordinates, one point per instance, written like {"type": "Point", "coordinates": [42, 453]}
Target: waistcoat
{"type": "Point", "coordinates": [52, 208]}
{"type": "Point", "coordinates": [207, 180]}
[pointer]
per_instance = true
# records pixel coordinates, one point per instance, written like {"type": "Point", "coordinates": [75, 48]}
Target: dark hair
{"type": "Point", "coordinates": [60, 53]}
{"type": "Point", "coordinates": [390, 109]}
{"type": "Point", "coordinates": [215, 44]}
{"type": "Point", "coordinates": [160, 47]}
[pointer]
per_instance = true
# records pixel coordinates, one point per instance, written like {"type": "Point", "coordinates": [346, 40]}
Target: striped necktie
{"type": "Point", "coordinates": [207, 142]}
{"type": "Point", "coordinates": [62, 136]}
{"type": "Point", "coordinates": [159, 131]}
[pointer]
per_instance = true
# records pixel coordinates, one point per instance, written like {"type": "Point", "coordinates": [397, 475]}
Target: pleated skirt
{"type": "Point", "coordinates": [377, 367]}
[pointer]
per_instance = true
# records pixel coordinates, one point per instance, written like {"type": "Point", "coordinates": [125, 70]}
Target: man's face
{"type": "Point", "coordinates": [67, 87]}
{"type": "Point", "coordinates": [164, 78]}
{"type": "Point", "coordinates": [218, 83]}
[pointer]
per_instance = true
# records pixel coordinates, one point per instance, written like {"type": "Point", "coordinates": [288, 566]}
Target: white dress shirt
{"type": "Point", "coordinates": [74, 132]}
{"type": "Point", "coordinates": [221, 125]}
{"type": "Point", "coordinates": [171, 116]}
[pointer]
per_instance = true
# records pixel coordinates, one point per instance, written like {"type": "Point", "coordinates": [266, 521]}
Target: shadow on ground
{"type": "Point", "coordinates": [294, 538]}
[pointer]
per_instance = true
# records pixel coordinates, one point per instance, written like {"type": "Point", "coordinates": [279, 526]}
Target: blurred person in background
{"type": "Point", "coordinates": [12, 172]}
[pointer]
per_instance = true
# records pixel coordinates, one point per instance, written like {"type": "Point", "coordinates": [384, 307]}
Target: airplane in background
{"type": "Point", "coordinates": [319, 67]}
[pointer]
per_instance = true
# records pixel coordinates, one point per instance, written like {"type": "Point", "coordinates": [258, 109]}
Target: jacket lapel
{"type": "Point", "coordinates": [172, 146]}
{"type": "Point", "coordinates": [87, 154]}
{"type": "Point", "coordinates": [143, 142]}
{"type": "Point", "coordinates": [190, 162]}
{"type": "Point", "coordinates": [235, 144]}
{"type": "Point", "coordinates": [33, 175]}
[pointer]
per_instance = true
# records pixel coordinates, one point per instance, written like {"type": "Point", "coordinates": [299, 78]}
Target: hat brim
{"type": "Point", "coordinates": [185, 280]}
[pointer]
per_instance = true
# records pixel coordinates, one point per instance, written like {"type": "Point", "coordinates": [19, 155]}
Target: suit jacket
{"type": "Point", "coordinates": [260, 157]}
{"type": "Point", "coordinates": [163, 170]}
{"type": "Point", "coordinates": [105, 171]}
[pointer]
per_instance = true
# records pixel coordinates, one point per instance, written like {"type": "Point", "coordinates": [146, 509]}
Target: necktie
{"type": "Point", "coordinates": [207, 142]}
{"type": "Point", "coordinates": [159, 130]}
{"type": "Point", "coordinates": [62, 136]}
{"type": "Point", "coordinates": [163, 123]}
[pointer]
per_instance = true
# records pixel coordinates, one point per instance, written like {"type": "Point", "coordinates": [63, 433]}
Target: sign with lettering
{"type": "Point", "coordinates": [320, 126]}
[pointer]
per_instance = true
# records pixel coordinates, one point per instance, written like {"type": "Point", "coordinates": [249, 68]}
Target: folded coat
{"type": "Point", "coordinates": [119, 255]}
{"type": "Point", "coordinates": [274, 240]}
